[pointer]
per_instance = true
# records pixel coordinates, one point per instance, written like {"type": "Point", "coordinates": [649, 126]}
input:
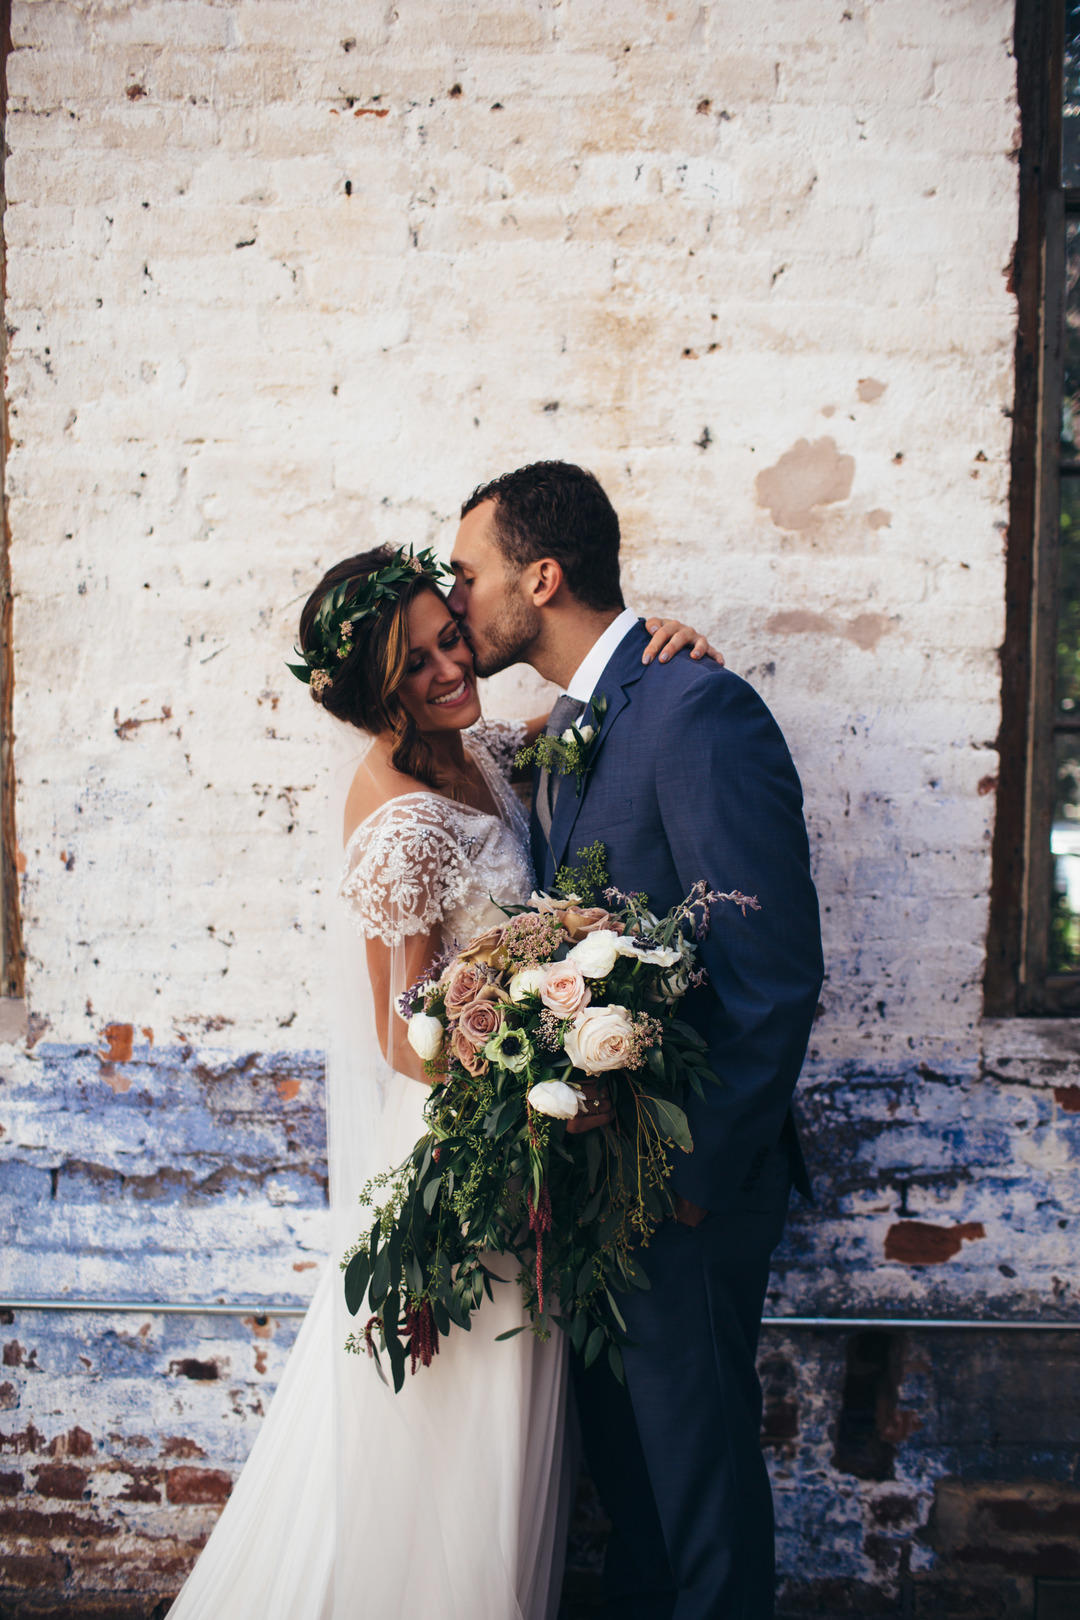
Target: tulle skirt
{"type": "Point", "coordinates": [449, 1499]}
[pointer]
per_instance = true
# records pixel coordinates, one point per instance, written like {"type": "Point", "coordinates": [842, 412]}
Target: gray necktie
{"type": "Point", "coordinates": [566, 712]}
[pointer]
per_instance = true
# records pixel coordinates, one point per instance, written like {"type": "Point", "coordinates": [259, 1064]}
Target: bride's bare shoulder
{"type": "Point", "coordinates": [375, 785]}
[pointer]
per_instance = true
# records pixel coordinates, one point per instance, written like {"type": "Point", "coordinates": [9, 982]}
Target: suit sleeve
{"type": "Point", "coordinates": [731, 806]}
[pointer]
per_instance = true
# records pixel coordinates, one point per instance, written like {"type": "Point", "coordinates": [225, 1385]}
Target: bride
{"type": "Point", "coordinates": [450, 1498]}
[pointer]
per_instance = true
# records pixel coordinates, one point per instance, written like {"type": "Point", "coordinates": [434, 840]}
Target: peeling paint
{"type": "Point", "coordinates": [806, 477]}
{"type": "Point", "coordinates": [865, 630]}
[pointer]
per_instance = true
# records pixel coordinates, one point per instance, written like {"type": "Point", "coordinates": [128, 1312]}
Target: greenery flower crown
{"type": "Point", "coordinates": [330, 639]}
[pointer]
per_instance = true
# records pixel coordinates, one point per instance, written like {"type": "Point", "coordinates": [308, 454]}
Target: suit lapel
{"type": "Point", "coordinates": [622, 670]}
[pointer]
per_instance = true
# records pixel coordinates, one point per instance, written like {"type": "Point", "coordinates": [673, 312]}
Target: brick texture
{"type": "Point", "coordinates": [287, 279]}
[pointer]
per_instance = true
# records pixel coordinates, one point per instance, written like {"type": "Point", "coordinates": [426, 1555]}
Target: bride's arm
{"type": "Point", "coordinates": [393, 968]}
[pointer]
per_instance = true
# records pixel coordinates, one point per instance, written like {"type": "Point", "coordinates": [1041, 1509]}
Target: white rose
{"type": "Point", "coordinates": [596, 954]}
{"type": "Point", "coordinates": [600, 1038]}
{"type": "Point", "coordinates": [425, 1035]}
{"type": "Point", "coordinates": [525, 982]}
{"type": "Point", "coordinates": [556, 1098]}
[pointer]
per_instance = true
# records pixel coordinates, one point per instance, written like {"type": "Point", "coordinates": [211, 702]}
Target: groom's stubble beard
{"type": "Point", "coordinates": [509, 638]}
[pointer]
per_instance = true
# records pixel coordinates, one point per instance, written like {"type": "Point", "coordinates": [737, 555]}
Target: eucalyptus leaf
{"type": "Point", "coordinates": [670, 1122]}
{"type": "Point", "coordinates": [593, 1345]}
{"type": "Point", "coordinates": [380, 1279]}
{"type": "Point", "coordinates": [357, 1277]}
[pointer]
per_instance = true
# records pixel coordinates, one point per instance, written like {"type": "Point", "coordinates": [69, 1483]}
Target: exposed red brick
{"type": "Point", "coordinates": [780, 1420]}
{"type": "Point", "coordinates": [987, 784]}
{"type": "Point", "coordinates": [13, 1353]}
{"type": "Point", "coordinates": [197, 1485]}
{"type": "Point", "coordinates": [201, 1371]}
{"type": "Point", "coordinates": [1055, 1559]}
{"type": "Point", "coordinates": [884, 1553]}
{"type": "Point", "coordinates": [76, 1443]}
{"type": "Point", "coordinates": [25, 1572]}
{"type": "Point", "coordinates": [28, 1439]}
{"type": "Point", "coordinates": [287, 1089]}
{"type": "Point", "coordinates": [893, 1509]}
{"type": "Point", "coordinates": [1068, 1097]}
{"type": "Point", "coordinates": [143, 1485]}
{"type": "Point", "coordinates": [119, 1040]}
{"type": "Point", "coordinates": [39, 1526]}
{"type": "Point", "coordinates": [63, 1480]}
{"type": "Point", "coordinates": [11, 1483]}
{"type": "Point", "coordinates": [917, 1243]}
{"type": "Point", "coordinates": [176, 1446]}
{"type": "Point", "coordinates": [9, 1396]}
{"type": "Point", "coordinates": [1021, 1514]}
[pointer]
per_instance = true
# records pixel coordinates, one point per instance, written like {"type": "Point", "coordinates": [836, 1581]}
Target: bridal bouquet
{"type": "Point", "coordinates": [509, 1029]}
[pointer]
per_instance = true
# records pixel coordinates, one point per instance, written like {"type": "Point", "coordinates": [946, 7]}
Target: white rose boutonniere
{"type": "Point", "coordinates": [568, 754]}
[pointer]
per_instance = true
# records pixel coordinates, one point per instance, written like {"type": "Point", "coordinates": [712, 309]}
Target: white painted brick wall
{"type": "Point", "coordinates": [801, 195]}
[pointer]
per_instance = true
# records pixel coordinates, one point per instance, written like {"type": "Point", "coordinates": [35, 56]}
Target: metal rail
{"type": "Point", "coordinates": [192, 1307]}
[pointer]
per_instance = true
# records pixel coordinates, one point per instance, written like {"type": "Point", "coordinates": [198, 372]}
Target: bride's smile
{"type": "Point", "coordinates": [439, 688]}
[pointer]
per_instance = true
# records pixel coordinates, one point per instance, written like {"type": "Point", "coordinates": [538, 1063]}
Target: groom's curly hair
{"type": "Point", "coordinates": [554, 509]}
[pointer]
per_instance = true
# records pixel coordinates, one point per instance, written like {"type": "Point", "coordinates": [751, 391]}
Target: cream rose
{"type": "Point", "coordinates": [556, 1098]}
{"type": "Point", "coordinates": [525, 982]}
{"type": "Point", "coordinates": [581, 920]}
{"type": "Point", "coordinates": [600, 1038]}
{"type": "Point", "coordinates": [425, 1036]}
{"type": "Point", "coordinates": [563, 989]}
{"type": "Point", "coordinates": [597, 953]}
{"type": "Point", "coordinates": [487, 947]}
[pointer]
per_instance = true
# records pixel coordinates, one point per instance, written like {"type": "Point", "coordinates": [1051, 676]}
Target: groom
{"type": "Point", "coordinates": [688, 778]}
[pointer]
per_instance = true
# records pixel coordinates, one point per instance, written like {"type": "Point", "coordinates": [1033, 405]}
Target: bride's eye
{"type": "Point", "coordinates": [451, 638]}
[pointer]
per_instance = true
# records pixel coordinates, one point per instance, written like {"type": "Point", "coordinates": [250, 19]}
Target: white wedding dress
{"type": "Point", "coordinates": [447, 1501]}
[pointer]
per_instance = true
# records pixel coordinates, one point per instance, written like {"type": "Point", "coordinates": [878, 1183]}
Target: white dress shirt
{"type": "Point", "coordinates": [583, 681]}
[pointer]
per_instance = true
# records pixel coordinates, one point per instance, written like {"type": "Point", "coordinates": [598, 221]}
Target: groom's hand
{"type": "Point", "coordinates": [686, 1213]}
{"type": "Point", "coordinates": [596, 1108]}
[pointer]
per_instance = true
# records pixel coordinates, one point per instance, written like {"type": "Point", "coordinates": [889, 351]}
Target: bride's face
{"type": "Point", "coordinates": [439, 689]}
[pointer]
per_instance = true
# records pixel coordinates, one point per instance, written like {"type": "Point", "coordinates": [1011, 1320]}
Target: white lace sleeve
{"type": "Point", "coordinates": [501, 739]}
{"type": "Point", "coordinates": [405, 868]}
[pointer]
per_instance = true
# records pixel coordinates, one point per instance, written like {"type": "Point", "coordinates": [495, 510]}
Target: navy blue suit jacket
{"type": "Point", "coordinates": [689, 778]}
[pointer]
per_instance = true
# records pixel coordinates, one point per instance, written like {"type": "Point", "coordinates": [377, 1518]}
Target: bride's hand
{"type": "Point", "coordinates": [668, 635]}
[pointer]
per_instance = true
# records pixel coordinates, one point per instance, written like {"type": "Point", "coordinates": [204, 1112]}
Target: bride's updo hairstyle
{"type": "Point", "coordinates": [363, 686]}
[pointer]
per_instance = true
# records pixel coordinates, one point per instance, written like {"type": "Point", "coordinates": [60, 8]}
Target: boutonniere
{"type": "Point", "coordinates": [571, 753]}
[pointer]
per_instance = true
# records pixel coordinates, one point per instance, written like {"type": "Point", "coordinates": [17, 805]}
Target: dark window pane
{"type": "Point", "coordinates": [1068, 628]}
{"type": "Point", "coordinates": [1070, 123]}
{"type": "Point", "coordinates": [1070, 397]}
{"type": "Point", "coordinates": [1065, 847]}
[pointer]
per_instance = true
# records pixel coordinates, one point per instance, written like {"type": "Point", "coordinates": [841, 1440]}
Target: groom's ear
{"type": "Point", "coordinates": [543, 580]}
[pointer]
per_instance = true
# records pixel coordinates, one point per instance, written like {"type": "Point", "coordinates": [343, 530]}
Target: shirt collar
{"type": "Point", "coordinates": [583, 681]}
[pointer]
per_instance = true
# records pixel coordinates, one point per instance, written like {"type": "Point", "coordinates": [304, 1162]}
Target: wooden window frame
{"type": "Point", "coordinates": [1018, 980]}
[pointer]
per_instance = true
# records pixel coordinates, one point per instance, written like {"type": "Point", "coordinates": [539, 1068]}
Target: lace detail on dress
{"type": "Point", "coordinates": [501, 738]}
{"type": "Point", "coordinates": [422, 861]}
{"type": "Point", "coordinates": [405, 868]}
